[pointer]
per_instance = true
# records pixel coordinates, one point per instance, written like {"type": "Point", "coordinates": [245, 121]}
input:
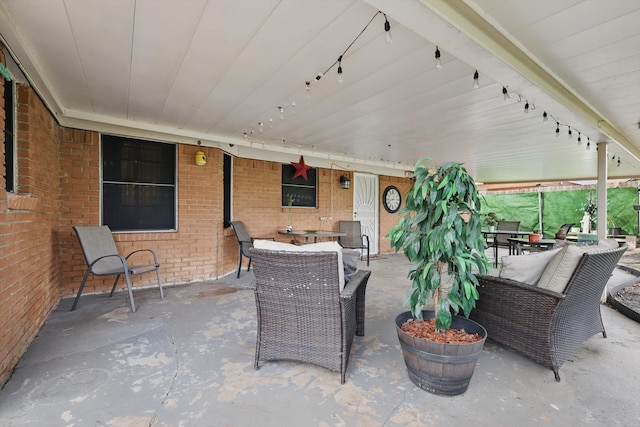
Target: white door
{"type": "Point", "coordinates": [365, 206]}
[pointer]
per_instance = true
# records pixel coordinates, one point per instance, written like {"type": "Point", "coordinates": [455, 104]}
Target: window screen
{"type": "Point", "coordinates": [138, 184]}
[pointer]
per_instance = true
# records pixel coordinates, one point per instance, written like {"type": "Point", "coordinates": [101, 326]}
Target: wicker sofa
{"type": "Point", "coordinates": [302, 314]}
{"type": "Point", "coordinates": [547, 325]}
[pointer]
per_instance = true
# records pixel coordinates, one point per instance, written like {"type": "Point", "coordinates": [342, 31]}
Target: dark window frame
{"type": "Point", "coordinates": [139, 185]}
{"type": "Point", "coordinates": [227, 178]}
{"type": "Point", "coordinates": [9, 136]}
{"type": "Point", "coordinates": [304, 192]}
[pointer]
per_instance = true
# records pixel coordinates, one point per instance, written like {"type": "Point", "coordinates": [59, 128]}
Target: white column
{"type": "Point", "coordinates": [602, 190]}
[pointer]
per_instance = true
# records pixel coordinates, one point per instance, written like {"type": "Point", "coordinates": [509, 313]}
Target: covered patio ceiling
{"type": "Point", "coordinates": [213, 70]}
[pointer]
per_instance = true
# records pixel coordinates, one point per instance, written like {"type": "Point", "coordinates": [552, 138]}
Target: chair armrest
{"type": "Point", "coordinates": [358, 279]}
{"type": "Point", "coordinates": [366, 237]}
{"type": "Point", "coordinates": [357, 286]}
{"type": "Point", "coordinates": [155, 257]}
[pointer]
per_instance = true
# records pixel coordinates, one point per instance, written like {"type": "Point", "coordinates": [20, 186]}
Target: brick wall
{"type": "Point", "coordinates": [59, 186]}
{"type": "Point", "coordinates": [29, 284]}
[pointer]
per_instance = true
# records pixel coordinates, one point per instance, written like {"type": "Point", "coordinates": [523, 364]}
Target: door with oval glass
{"type": "Point", "coordinates": [365, 206]}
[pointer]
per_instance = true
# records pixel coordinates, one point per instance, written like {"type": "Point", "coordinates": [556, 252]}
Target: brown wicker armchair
{"type": "Point", "coordinates": [543, 325]}
{"type": "Point", "coordinates": [302, 315]}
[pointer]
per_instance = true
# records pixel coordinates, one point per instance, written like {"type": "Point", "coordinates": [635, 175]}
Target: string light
{"type": "Point", "coordinates": [438, 63]}
{"type": "Point", "coordinates": [557, 129]}
{"type": "Point", "coordinates": [476, 83]}
{"type": "Point", "coordinates": [570, 134]}
{"type": "Point", "coordinates": [387, 29]}
{"type": "Point", "coordinates": [505, 93]}
{"type": "Point", "coordinates": [545, 117]}
{"type": "Point", "coordinates": [526, 107]}
{"type": "Point", "coordinates": [579, 138]}
{"type": "Point", "coordinates": [281, 112]}
{"type": "Point", "coordinates": [307, 88]}
{"type": "Point", "coordinates": [340, 80]}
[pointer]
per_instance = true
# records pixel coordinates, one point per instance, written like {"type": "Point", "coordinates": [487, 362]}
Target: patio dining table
{"type": "Point", "coordinates": [518, 244]}
{"type": "Point", "coordinates": [307, 234]}
{"type": "Point", "coordinates": [509, 233]}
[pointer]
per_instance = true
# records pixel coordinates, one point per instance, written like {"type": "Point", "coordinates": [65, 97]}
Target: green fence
{"type": "Point", "coordinates": [562, 207]}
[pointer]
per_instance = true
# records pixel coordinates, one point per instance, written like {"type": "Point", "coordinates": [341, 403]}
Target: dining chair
{"type": "Point", "coordinates": [354, 239]}
{"type": "Point", "coordinates": [103, 259]}
{"type": "Point", "coordinates": [501, 239]}
{"type": "Point", "coordinates": [245, 243]}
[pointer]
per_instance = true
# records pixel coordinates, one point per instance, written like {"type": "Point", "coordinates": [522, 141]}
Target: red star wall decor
{"type": "Point", "coordinates": [301, 168]}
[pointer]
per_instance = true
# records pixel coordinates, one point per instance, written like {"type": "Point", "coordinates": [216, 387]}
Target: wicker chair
{"type": "Point", "coordinates": [302, 315]}
{"type": "Point", "coordinates": [543, 325]}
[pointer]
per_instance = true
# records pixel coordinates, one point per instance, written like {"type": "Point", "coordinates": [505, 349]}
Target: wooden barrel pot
{"type": "Point", "coordinates": [440, 368]}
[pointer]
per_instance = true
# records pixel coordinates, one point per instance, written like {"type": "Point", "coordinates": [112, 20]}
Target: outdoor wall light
{"type": "Point", "coordinates": [201, 158]}
{"type": "Point", "coordinates": [345, 182]}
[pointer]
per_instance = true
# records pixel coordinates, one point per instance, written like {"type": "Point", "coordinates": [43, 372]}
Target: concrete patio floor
{"type": "Point", "coordinates": [187, 360]}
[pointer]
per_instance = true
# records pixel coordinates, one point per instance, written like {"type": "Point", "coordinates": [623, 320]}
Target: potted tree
{"type": "Point", "coordinates": [491, 220]}
{"type": "Point", "coordinates": [440, 233]}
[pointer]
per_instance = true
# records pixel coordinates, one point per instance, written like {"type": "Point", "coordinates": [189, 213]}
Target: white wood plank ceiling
{"type": "Point", "coordinates": [212, 70]}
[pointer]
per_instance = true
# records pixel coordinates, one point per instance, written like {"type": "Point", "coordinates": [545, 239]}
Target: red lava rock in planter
{"type": "Point", "coordinates": [427, 330]}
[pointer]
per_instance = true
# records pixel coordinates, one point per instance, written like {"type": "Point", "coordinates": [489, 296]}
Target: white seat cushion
{"type": "Point", "coordinates": [313, 247]}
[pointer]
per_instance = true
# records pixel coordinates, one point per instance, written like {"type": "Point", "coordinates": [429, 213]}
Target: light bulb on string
{"type": "Point", "coordinates": [261, 125]}
{"type": "Point", "coordinates": [588, 144]}
{"type": "Point", "coordinates": [557, 129]}
{"type": "Point", "coordinates": [526, 107]}
{"type": "Point", "coordinates": [438, 63]}
{"type": "Point", "coordinates": [387, 29]}
{"type": "Point", "coordinates": [340, 79]}
{"type": "Point", "coordinates": [569, 133]}
{"type": "Point", "coordinates": [618, 165]}
{"type": "Point", "coordinates": [319, 76]}
{"type": "Point", "coordinates": [293, 107]}
{"type": "Point", "coordinates": [476, 82]}
{"type": "Point", "coordinates": [307, 88]}
{"type": "Point", "coordinates": [505, 93]}
{"type": "Point", "coordinates": [545, 117]}
{"type": "Point", "coordinates": [281, 113]}
{"type": "Point", "coordinates": [579, 139]}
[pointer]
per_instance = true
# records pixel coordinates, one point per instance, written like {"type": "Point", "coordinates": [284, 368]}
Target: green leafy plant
{"type": "Point", "coordinates": [491, 219]}
{"type": "Point", "coordinates": [590, 207]}
{"type": "Point", "coordinates": [440, 233]}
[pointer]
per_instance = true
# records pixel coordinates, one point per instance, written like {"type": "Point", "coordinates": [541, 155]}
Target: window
{"type": "Point", "coordinates": [227, 173]}
{"type": "Point", "coordinates": [9, 136]}
{"type": "Point", "coordinates": [138, 184]}
{"type": "Point", "coordinates": [302, 191]}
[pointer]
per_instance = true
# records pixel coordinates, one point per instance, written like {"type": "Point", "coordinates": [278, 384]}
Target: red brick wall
{"type": "Point", "coordinates": [59, 187]}
{"type": "Point", "coordinates": [29, 284]}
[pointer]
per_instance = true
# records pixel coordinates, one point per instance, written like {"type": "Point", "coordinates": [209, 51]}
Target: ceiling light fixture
{"type": "Point", "coordinates": [438, 63]}
{"type": "Point", "coordinates": [476, 83]}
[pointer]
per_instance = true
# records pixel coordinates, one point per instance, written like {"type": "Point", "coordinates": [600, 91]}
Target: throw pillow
{"type": "Point", "coordinates": [560, 268]}
{"type": "Point", "coordinates": [526, 268]}
{"type": "Point", "coordinates": [313, 247]}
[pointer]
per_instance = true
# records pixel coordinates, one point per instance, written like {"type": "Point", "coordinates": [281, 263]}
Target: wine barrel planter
{"type": "Point", "coordinates": [443, 369]}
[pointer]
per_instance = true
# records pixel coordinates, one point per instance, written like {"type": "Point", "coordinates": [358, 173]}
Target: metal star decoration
{"type": "Point", "coordinates": [301, 168]}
